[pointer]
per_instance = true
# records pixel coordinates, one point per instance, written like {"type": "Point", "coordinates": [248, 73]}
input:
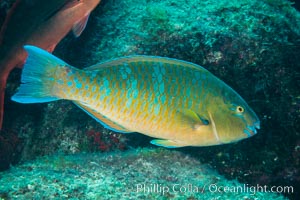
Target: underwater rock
{"type": "Point", "coordinates": [9, 154]}
{"type": "Point", "coordinates": [251, 45]}
{"type": "Point", "coordinates": [135, 174]}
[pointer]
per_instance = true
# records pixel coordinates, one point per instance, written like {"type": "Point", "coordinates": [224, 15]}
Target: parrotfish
{"type": "Point", "coordinates": [177, 102]}
{"type": "Point", "coordinates": [39, 23]}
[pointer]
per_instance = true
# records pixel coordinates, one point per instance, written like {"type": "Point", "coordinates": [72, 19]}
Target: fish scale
{"type": "Point", "coordinates": [178, 102]}
{"type": "Point", "coordinates": [153, 92]}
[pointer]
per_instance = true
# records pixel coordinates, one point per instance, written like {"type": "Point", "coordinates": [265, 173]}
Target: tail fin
{"type": "Point", "coordinates": [38, 77]}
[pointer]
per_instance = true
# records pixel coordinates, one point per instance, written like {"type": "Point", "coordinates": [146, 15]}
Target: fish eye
{"type": "Point", "coordinates": [239, 109]}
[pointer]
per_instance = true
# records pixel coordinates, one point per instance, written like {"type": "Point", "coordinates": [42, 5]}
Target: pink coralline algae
{"type": "Point", "coordinates": [105, 142]}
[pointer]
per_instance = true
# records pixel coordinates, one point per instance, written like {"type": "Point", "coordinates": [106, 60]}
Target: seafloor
{"type": "Point", "coordinates": [135, 174]}
{"type": "Point", "coordinates": [253, 45]}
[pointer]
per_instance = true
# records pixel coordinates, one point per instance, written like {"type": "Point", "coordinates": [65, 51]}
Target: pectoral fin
{"type": "Point", "coordinates": [192, 119]}
{"type": "Point", "coordinates": [167, 143]}
{"type": "Point", "coordinates": [80, 26]}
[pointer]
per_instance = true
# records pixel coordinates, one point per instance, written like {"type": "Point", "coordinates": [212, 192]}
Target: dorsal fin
{"type": "Point", "coordinates": [141, 58]}
{"type": "Point", "coordinates": [71, 4]}
{"type": "Point", "coordinates": [107, 123]}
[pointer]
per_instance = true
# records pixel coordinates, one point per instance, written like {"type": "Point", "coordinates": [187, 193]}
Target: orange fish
{"type": "Point", "coordinates": [38, 23]}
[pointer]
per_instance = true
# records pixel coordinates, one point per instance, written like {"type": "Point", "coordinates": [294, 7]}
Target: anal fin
{"type": "Point", "coordinates": [107, 123]}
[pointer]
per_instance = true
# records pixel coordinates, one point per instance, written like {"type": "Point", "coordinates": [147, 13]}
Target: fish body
{"type": "Point", "coordinates": [178, 102]}
{"type": "Point", "coordinates": [41, 24]}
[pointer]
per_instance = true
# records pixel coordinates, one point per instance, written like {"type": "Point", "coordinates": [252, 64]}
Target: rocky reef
{"type": "Point", "coordinates": [251, 45]}
{"type": "Point", "coordinates": [135, 174]}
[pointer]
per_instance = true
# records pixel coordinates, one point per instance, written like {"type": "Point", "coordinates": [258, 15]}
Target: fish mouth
{"type": "Point", "coordinates": [251, 130]}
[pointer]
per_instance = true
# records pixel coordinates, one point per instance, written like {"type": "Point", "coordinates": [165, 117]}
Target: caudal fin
{"type": "Point", "coordinates": [38, 77]}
